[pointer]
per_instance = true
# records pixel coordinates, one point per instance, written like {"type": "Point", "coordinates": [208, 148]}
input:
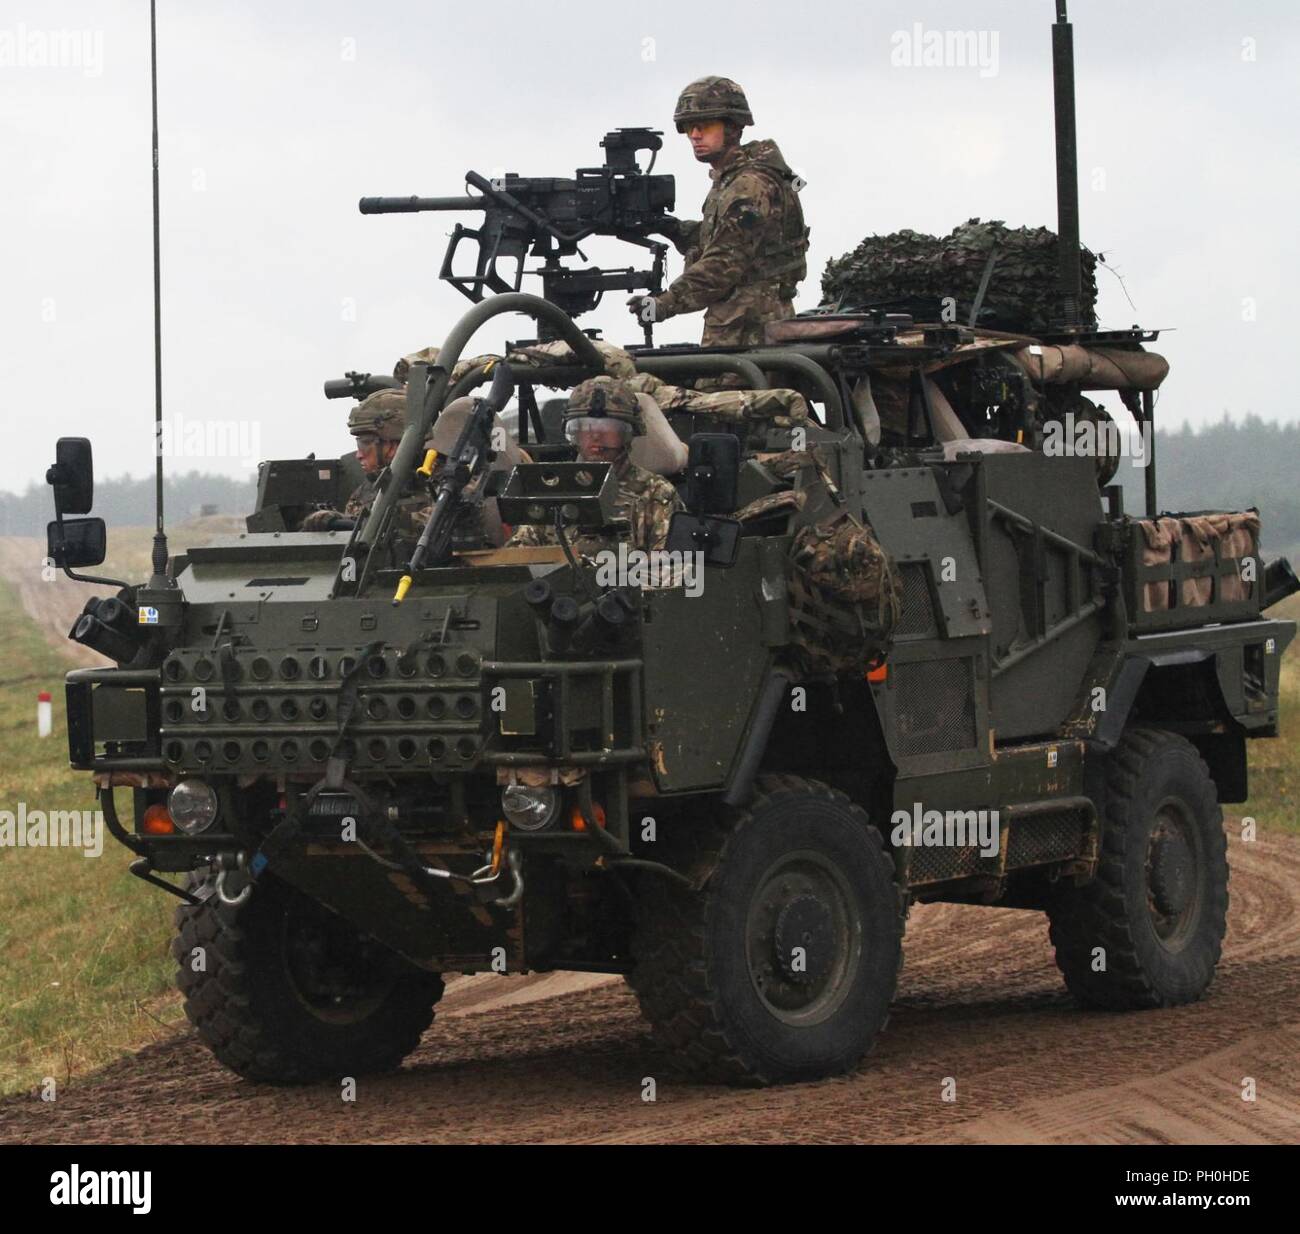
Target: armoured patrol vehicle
{"type": "Point", "coordinates": [378, 763]}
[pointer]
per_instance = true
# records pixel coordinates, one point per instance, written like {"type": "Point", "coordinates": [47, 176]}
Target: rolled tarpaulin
{"type": "Point", "coordinates": [1094, 368]}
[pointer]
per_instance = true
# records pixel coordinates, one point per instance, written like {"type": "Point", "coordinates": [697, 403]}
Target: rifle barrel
{"type": "Point", "coordinates": [416, 205]}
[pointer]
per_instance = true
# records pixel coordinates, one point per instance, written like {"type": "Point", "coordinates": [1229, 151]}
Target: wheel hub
{"type": "Point", "coordinates": [802, 943]}
{"type": "Point", "coordinates": [336, 973]}
{"type": "Point", "coordinates": [804, 940]}
{"type": "Point", "coordinates": [1172, 873]}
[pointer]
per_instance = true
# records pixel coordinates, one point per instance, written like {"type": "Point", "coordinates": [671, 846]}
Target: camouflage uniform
{"type": "Point", "coordinates": [383, 414]}
{"type": "Point", "coordinates": [783, 408]}
{"type": "Point", "coordinates": [746, 257]}
{"type": "Point", "coordinates": [646, 501]}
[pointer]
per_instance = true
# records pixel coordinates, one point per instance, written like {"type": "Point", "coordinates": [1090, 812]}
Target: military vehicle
{"type": "Point", "coordinates": [379, 766]}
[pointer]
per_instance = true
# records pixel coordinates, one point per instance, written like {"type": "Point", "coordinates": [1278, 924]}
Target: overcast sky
{"type": "Point", "coordinates": [277, 116]}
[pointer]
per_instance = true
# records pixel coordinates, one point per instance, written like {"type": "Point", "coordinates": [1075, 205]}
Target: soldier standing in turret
{"type": "Point", "coordinates": [746, 257]}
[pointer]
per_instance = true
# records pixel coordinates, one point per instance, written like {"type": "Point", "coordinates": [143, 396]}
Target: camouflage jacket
{"type": "Point", "coordinates": [746, 256]}
{"type": "Point", "coordinates": [647, 501]}
{"type": "Point", "coordinates": [411, 514]}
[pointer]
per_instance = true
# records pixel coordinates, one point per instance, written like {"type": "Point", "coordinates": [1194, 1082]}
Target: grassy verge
{"type": "Point", "coordinates": [1275, 764]}
{"type": "Point", "coordinates": [85, 973]}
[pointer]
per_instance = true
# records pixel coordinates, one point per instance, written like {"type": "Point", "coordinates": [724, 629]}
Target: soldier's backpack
{"type": "Point", "coordinates": [845, 596]}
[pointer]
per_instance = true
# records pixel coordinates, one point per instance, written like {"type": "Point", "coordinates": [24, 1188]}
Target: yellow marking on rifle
{"type": "Point", "coordinates": [402, 588]}
{"type": "Point", "coordinates": [426, 468]}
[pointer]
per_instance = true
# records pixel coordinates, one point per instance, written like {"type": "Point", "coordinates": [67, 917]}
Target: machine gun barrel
{"type": "Point", "coordinates": [417, 205]}
{"type": "Point", "coordinates": [359, 385]}
{"type": "Point", "coordinates": [548, 218]}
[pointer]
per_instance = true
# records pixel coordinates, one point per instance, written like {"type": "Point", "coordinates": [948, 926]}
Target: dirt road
{"type": "Point", "coordinates": [562, 1058]}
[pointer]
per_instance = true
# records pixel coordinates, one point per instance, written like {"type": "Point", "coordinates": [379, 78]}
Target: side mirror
{"type": "Point", "coordinates": [77, 542]}
{"type": "Point", "coordinates": [712, 473]}
{"type": "Point", "coordinates": [73, 476]}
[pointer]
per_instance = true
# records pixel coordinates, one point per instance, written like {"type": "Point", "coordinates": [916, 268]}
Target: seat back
{"type": "Point", "coordinates": [660, 450]}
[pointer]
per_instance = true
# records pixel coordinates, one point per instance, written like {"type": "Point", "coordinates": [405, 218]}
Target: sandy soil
{"type": "Point", "coordinates": [562, 1058]}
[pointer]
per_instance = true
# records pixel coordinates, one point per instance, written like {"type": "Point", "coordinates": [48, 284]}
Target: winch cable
{"type": "Point", "coordinates": [426, 878]}
{"type": "Point", "coordinates": [337, 766]}
{"type": "Point", "coordinates": [287, 829]}
{"type": "Point", "coordinates": [579, 574]}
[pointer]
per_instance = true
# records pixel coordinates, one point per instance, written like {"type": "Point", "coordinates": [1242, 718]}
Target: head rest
{"type": "Point", "coordinates": [451, 421]}
{"type": "Point", "coordinates": [660, 449]}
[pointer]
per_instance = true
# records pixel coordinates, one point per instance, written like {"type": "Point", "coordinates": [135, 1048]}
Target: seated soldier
{"type": "Point", "coordinates": [377, 423]}
{"type": "Point", "coordinates": [602, 418]}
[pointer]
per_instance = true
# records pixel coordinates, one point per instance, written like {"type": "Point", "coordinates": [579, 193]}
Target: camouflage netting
{"type": "Point", "coordinates": [913, 273]}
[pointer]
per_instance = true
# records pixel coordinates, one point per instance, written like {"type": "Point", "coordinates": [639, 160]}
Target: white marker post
{"type": "Point", "coordinates": [44, 714]}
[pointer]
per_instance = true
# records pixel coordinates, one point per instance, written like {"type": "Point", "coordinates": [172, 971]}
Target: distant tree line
{"type": "Point", "coordinates": [128, 502]}
{"type": "Point", "coordinates": [1228, 465]}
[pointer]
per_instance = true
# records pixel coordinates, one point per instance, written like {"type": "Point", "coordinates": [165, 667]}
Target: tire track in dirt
{"type": "Point", "coordinates": [561, 1058]}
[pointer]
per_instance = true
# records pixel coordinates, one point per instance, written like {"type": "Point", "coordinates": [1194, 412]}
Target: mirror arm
{"type": "Point", "coordinates": [86, 578]}
{"type": "Point", "coordinates": [102, 582]}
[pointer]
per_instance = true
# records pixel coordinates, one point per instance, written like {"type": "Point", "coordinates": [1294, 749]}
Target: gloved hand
{"type": "Point", "coordinates": [644, 308]}
{"type": "Point", "coordinates": [668, 227]}
{"type": "Point", "coordinates": [320, 520]}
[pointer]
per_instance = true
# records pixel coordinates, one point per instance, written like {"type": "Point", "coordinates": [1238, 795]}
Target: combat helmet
{"type": "Point", "coordinates": [712, 98]}
{"type": "Point", "coordinates": [382, 413]}
{"type": "Point", "coordinates": [605, 398]}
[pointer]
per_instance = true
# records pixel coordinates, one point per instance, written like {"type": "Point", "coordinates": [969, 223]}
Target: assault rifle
{"type": "Point", "coordinates": [548, 218]}
{"type": "Point", "coordinates": [453, 472]}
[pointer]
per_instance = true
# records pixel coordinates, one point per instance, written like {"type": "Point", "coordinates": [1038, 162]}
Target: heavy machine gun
{"type": "Point", "coordinates": [549, 217]}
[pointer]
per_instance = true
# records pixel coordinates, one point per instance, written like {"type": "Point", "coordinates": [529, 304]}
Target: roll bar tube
{"type": "Point", "coordinates": [410, 449]}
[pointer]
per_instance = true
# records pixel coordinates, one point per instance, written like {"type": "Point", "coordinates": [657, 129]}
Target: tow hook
{"type": "Point", "coordinates": [515, 863]}
{"type": "Point", "coordinates": [498, 860]}
{"type": "Point", "coordinates": [233, 863]}
{"type": "Point", "coordinates": [491, 872]}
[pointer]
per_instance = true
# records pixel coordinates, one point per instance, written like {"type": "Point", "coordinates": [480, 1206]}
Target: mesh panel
{"type": "Point", "coordinates": [935, 706]}
{"type": "Point", "coordinates": [936, 865]}
{"type": "Point", "coordinates": [1033, 841]}
{"type": "Point", "coordinates": [917, 620]}
{"type": "Point", "coordinates": [1041, 838]}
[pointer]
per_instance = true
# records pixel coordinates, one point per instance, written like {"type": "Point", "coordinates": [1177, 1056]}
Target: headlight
{"type": "Point", "coordinates": [193, 806]}
{"type": "Point", "coordinates": [530, 809]}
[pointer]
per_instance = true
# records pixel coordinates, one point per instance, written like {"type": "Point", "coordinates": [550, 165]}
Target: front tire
{"type": "Point", "coordinates": [784, 966]}
{"type": "Point", "coordinates": [1147, 931]}
{"type": "Point", "coordinates": [283, 991]}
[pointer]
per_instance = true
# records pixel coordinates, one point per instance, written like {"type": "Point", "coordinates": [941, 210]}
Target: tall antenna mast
{"type": "Point", "coordinates": [160, 533]}
{"type": "Point", "coordinates": [1067, 169]}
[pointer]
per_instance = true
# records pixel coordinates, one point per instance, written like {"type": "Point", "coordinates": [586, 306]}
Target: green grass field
{"type": "Point", "coordinates": [86, 973]}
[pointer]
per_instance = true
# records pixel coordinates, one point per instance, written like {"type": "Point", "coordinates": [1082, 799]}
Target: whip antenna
{"type": "Point", "coordinates": [160, 533]}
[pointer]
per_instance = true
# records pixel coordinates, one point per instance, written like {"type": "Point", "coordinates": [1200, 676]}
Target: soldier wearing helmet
{"type": "Point", "coordinates": [746, 257]}
{"type": "Point", "coordinates": [602, 418]}
{"type": "Point", "coordinates": [377, 423]}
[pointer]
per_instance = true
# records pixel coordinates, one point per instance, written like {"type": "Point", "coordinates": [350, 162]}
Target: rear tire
{"type": "Point", "coordinates": [784, 966]}
{"type": "Point", "coordinates": [290, 993]}
{"type": "Point", "coordinates": [1157, 908]}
